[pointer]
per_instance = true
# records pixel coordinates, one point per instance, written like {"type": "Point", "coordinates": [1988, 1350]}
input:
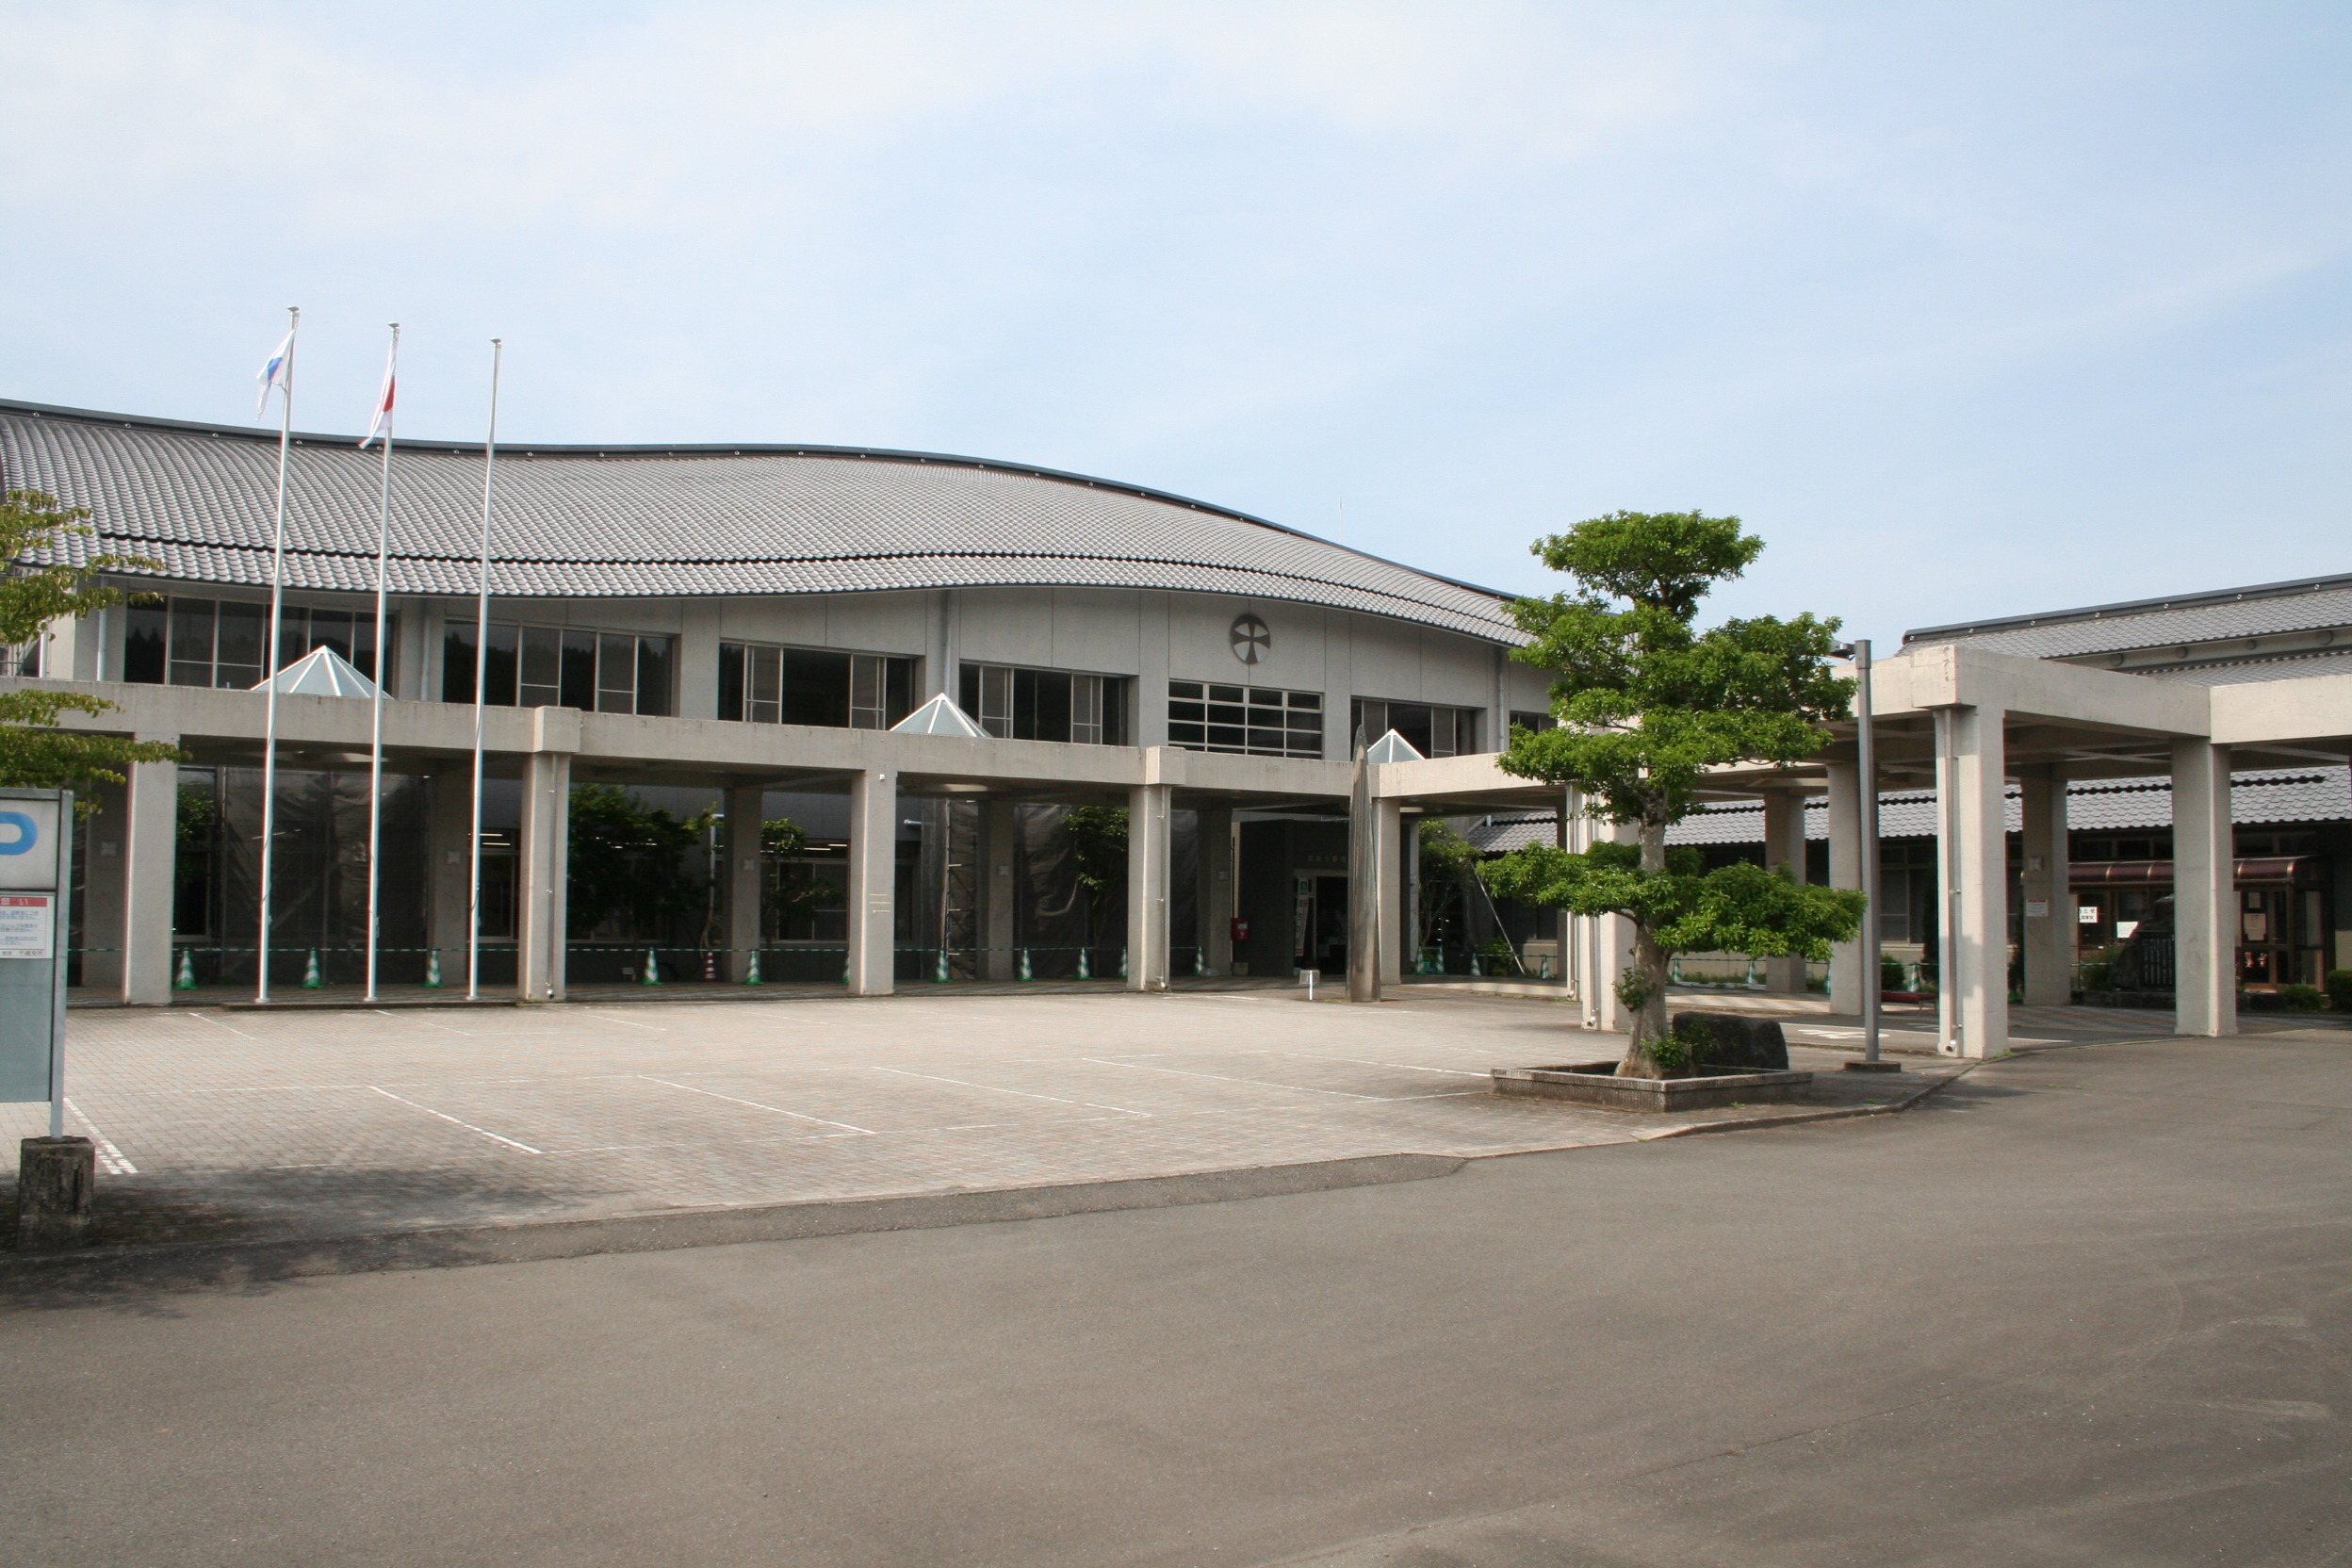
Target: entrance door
{"type": "Point", "coordinates": [1319, 924]}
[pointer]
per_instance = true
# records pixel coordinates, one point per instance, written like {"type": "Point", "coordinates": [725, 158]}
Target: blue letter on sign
{"type": "Point", "coordinates": [27, 834]}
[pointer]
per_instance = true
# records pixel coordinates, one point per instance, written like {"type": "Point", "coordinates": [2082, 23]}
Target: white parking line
{"type": "Point", "coordinates": [1366, 1061]}
{"type": "Point", "coordinates": [453, 1121]}
{"type": "Point", "coordinates": [753, 1103]}
{"type": "Point", "coordinates": [1024, 1093]}
{"type": "Point", "coordinates": [110, 1159]}
{"type": "Point", "coordinates": [1261, 1083]}
{"type": "Point", "coordinates": [630, 1021]}
{"type": "Point", "coordinates": [202, 1018]}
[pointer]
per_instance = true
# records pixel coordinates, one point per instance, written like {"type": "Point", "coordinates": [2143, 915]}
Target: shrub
{"type": "Point", "coordinates": [1889, 975]}
{"type": "Point", "coordinates": [2302, 998]}
{"type": "Point", "coordinates": [2340, 990]}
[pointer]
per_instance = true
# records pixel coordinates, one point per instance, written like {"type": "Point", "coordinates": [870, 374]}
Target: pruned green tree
{"type": "Point", "coordinates": [35, 588]}
{"type": "Point", "coordinates": [1647, 704]}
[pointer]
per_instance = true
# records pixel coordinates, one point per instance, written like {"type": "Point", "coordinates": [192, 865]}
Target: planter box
{"type": "Point", "coordinates": [1597, 1083]}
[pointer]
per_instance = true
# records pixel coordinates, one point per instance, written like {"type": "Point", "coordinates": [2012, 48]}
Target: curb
{"type": "Point", "coordinates": [199, 1265]}
{"type": "Point", "coordinates": [1927, 1086]}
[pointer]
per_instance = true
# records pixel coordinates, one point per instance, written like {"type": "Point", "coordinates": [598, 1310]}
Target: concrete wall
{"type": "Point", "coordinates": [1150, 637]}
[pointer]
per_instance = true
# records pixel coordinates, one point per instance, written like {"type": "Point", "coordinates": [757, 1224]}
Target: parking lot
{"type": "Point", "coordinates": [213, 1122]}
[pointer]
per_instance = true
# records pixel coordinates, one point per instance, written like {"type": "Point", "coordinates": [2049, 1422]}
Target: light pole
{"type": "Point", "coordinates": [1866, 766]}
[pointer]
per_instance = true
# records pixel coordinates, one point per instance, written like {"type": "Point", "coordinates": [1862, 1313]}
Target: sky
{"type": "Point", "coordinates": [1967, 309]}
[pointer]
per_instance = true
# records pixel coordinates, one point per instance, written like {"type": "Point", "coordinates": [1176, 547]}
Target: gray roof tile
{"type": "Point", "coordinates": [610, 522]}
{"type": "Point", "coordinates": [2268, 795]}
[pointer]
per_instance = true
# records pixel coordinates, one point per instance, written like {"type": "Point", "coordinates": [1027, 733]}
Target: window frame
{"type": "Point", "coordinates": [1229, 717]}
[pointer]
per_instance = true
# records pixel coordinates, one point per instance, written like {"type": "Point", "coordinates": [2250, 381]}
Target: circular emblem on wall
{"type": "Point", "coordinates": [1250, 638]}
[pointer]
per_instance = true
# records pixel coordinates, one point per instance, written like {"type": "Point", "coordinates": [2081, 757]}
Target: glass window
{"type": "Point", "coordinates": [1256, 721]}
{"type": "Point", "coordinates": [540, 666]}
{"type": "Point", "coordinates": [814, 686]}
{"type": "Point", "coordinates": [1430, 729]}
{"type": "Point", "coordinates": [1045, 705]}
{"type": "Point", "coordinates": [219, 642]}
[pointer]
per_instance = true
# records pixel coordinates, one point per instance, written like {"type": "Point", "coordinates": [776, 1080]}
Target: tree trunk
{"type": "Point", "coordinates": [1649, 962]}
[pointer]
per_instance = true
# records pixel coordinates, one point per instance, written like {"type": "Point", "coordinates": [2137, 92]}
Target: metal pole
{"type": "Point", "coordinates": [482, 683]}
{"type": "Point", "coordinates": [269, 656]}
{"type": "Point", "coordinates": [1865, 763]}
{"type": "Point", "coordinates": [375, 742]}
{"type": "Point", "coordinates": [61, 929]}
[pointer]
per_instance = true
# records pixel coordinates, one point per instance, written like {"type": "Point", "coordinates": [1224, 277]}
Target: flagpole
{"type": "Point", "coordinates": [375, 745]}
{"type": "Point", "coordinates": [482, 684]}
{"type": "Point", "coordinates": [270, 668]}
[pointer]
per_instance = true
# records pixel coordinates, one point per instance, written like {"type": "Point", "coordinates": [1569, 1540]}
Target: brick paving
{"type": "Point", "coordinates": [219, 1123]}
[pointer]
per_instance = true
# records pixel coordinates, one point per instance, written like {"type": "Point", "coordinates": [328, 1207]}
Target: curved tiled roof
{"type": "Point", "coordinates": [2266, 609]}
{"type": "Point", "coordinates": [638, 521]}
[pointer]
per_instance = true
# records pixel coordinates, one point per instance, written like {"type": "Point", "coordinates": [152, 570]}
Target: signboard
{"type": "Point", "coordinates": [36, 866]}
{"type": "Point", "coordinates": [28, 926]}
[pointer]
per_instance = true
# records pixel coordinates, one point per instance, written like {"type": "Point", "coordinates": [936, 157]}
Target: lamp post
{"type": "Point", "coordinates": [1866, 766]}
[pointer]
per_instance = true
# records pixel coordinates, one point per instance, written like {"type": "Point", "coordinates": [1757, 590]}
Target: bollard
{"type": "Point", "coordinates": [311, 981]}
{"type": "Point", "coordinates": [1086, 970]}
{"type": "Point", "coordinates": [653, 970]}
{"type": "Point", "coordinates": [1122, 963]}
{"type": "Point", "coordinates": [433, 967]}
{"type": "Point", "coordinates": [55, 1179]}
{"type": "Point", "coordinates": [709, 967]}
{"type": "Point", "coordinates": [938, 975]}
{"type": "Point", "coordinates": [186, 979]}
{"type": "Point", "coordinates": [751, 971]}
{"type": "Point", "coordinates": [1024, 965]}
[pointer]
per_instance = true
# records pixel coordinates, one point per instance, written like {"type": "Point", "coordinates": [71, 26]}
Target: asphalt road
{"type": "Point", "coordinates": [2089, 1307]}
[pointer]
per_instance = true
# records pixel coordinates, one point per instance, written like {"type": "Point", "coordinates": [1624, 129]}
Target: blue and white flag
{"type": "Point", "coordinates": [277, 373]}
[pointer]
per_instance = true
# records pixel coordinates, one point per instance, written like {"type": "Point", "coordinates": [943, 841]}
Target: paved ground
{"type": "Point", "coordinates": [2091, 1306]}
{"type": "Point", "coordinates": [220, 1124]}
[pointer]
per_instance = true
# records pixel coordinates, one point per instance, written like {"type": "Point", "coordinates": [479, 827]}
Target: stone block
{"type": "Point", "coordinates": [1755, 1043]}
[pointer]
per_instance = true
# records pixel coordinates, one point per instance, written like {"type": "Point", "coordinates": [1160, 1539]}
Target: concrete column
{"type": "Point", "coordinates": [1784, 846]}
{"type": "Point", "coordinates": [1609, 938]}
{"type": "Point", "coordinates": [2048, 947]}
{"type": "Point", "coordinates": [2204, 893]}
{"type": "Point", "coordinates": [998, 827]}
{"type": "Point", "coordinates": [149, 855]}
{"type": "Point", "coordinates": [1151, 671]}
{"type": "Point", "coordinates": [1388, 842]}
{"type": "Point", "coordinates": [1215, 899]}
{"type": "Point", "coordinates": [543, 877]}
{"type": "Point", "coordinates": [1846, 978]}
{"type": "Point", "coordinates": [1363, 888]}
{"type": "Point", "coordinates": [105, 896]}
{"type": "Point", "coordinates": [747, 809]}
{"type": "Point", "coordinates": [1973, 845]}
{"type": "Point", "coordinates": [433, 618]}
{"type": "Point", "coordinates": [450, 805]}
{"type": "Point", "coordinates": [873, 882]}
{"type": "Point", "coordinates": [698, 660]}
{"type": "Point", "coordinates": [1148, 851]}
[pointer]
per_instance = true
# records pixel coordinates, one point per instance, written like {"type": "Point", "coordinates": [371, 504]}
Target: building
{"type": "Point", "coordinates": [749, 622]}
{"type": "Point", "coordinates": [748, 625]}
{"type": "Point", "coordinates": [2291, 826]}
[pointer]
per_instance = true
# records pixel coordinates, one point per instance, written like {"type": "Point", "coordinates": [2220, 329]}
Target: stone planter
{"type": "Point", "coordinates": [1597, 1083]}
